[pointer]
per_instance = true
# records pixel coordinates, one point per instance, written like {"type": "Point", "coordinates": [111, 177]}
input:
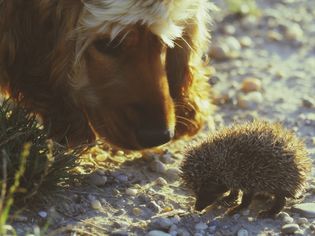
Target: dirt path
{"type": "Point", "coordinates": [144, 195]}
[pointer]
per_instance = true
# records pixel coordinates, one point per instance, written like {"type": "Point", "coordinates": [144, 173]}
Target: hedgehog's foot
{"type": "Point", "coordinates": [246, 200]}
{"type": "Point", "coordinates": [230, 200]}
{"type": "Point", "coordinates": [277, 206]}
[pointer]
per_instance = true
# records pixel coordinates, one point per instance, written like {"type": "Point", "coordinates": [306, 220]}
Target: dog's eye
{"type": "Point", "coordinates": [105, 46]}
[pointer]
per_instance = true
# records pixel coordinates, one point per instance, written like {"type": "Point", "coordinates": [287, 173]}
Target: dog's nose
{"type": "Point", "coordinates": [151, 138]}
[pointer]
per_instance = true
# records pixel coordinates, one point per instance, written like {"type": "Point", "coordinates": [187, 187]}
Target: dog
{"type": "Point", "coordinates": [128, 71]}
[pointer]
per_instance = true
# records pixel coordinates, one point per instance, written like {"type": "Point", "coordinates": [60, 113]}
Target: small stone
{"type": "Point", "coordinates": [173, 173]}
{"type": "Point", "coordinates": [96, 204]}
{"type": "Point", "coordinates": [158, 166]}
{"type": "Point", "coordinates": [274, 36]}
{"type": "Point", "coordinates": [282, 214]}
{"type": "Point", "coordinates": [287, 220]}
{"type": "Point", "coordinates": [167, 158]}
{"type": "Point", "coordinates": [201, 226]}
{"type": "Point", "coordinates": [249, 101]}
{"type": "Point", "coordinates": [246, 41]}
{"type": "Point", "coordinates": [290, 228]}
{"type": "Point", "coordinates": [242, 232]}
{"type": "Point", "coordinates": [122, 178]}
{"type": "Point", "coordinates": [162, 223]}
{"type": "Point", "coordinates": [305, 209]}
{"type": "Point", "coordinates": [97, 180]}
{"type": "Point", "coordinates": [131, 191]}
{"type": "Point", "coordinates": [299, 233]}
{"type": "Point", "coordinates": [175, 219]}
{"type": "Point", "coordinates": [294, 32]}
{"type": "Point", "coordinates": [312, 226]}
{"type": "Point", "coordinates": [232, 43]}
{"type": "Point", "coordinates": [120, 153]}
{"type": "Point", "coordinates": [308, 102]}
{"type": "Point", "coordinates": [161, 181]}
{"type": "Point", "coordinates": [229, 29]}
{"type": "Point", "coordinates": [183, 232]}
{"type": "Point", "coordinates": [157, 233]}
{"type": "Point", "coordinates": [101, 157]}
{"type": "Point", "coordinates": [251, 85]}
{"type": "Point", "coordinates": [136, 211]}
{"type": "Point", "coordinates": [219, 52]}
{"type": "Point", "coordinates": [212, 229]}
{"type": "Point", "coordinates": [245, 212]}
{"type": "Point", "coordinates": [198, 234]}
{"type": "Point", "coordinates": [42, 214]}
{"type": "Point", "coordinates": [236, 216]}
{"type": "Point", "coordinates": [301, 221]}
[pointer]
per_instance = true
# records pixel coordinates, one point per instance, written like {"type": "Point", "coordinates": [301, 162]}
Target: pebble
{"type": "Point", "coordinates": [201, 226]}
{"type": "Point", "coordinates": [229, 29]}
{"type": "Point", "coordinates": [294, 32]}
{"type": "Point", "coordinates": [198, 234]}
{"type": "Point", "coordinates": [43, 214]}
{"type": "Point", "coordinates": [161, 181]}
{"type": "Point", "coordinates": [157, 233]}
{"type": "Point", "coordinates": [305, 209]}
{"type": "Point", "coordinates": [212, 229]}
{"type": "Point", "coordinates": [251, 85]}
{"type": "Point", "coordinates": [245, 212]}
{"type": "Point", "coordinates": [301, 221]}
{"type": "Point", "coordinates": [287, 220]}
{"type": "Point", "coordinates": [232, 43]}
{"type": "Point", "coordinates": [308, 102]}
{"type": "Point", "coordinates": [98, 180]}
{"type": "Point", "coordinates": [246, 41]}
{"type": "Point", "coordinates": [299, 233]}
{"type": "Point", "coordinates": [173, 173]}
{"type": "Point", "coordinates": [122, 178]}
{"type": "Point", "coordinates": [96, 204]}
{"type": "Point", "coordinates": [282, 214]}
{"type": "Point", "coordinates": [136, 211]}
{"type": "Point", "coordinates": [183, 232]}
{"type": "Point", "coordinates": [220, 53]}
{"type": "Point", "coordinates": [158, 166]}
{"type": "Point", "coordinates": [162, 223]}
{"type": "Point", "coordinates": [274, 36]}
{"type": "Point", "coordinates": [131, 191]}
{"type": "Point", "coordinates": [242, 232]}
{"type": "Point", "coordinates": [250, 100]}
{"type": "Point", "coordinates": [290, 228]}
{"type": "Point", "coordinates": [167, 158]}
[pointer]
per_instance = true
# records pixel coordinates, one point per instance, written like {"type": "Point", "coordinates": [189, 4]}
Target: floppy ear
{"type": "Point", "coordinates": [188, 77]}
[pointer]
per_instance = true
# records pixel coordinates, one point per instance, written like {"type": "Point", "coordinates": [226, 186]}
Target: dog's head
{"type": "Point", "coordinates": [129, 70]}
{"type": "Point", "coordinates": [121, 78]}
{"type": "Point", "coordinates": [125, 92]}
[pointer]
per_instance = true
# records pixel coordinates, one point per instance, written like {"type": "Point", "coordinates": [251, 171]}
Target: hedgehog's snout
{"type": "Point", "coordinates": [208, 196]}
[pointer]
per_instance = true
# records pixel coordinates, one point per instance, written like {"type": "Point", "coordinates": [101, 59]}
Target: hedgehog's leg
{"type": "Point", "coordinates": [230, 199]}
{"type": "Point", "coordinates": [277, 206]}
{"type": "Point", "coordinates": [246, 200]}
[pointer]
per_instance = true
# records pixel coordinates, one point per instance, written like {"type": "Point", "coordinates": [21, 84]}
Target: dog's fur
{"type": "Point", "coordinates": [123, 70]}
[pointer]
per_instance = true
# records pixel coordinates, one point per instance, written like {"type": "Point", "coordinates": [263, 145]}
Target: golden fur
{"type": "Point", "coordinates": [128, 71]}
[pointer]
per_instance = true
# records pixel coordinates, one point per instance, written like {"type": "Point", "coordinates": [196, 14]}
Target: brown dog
{"type": "Point", "coordinates": [129, 71]}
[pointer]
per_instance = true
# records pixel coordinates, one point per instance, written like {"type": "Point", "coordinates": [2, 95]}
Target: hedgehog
{"type": "Point", "coordinates": [254, 158]}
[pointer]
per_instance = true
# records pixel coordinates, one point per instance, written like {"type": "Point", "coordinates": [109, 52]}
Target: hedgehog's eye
{"type": "Point", "coordinates": [108, 47]}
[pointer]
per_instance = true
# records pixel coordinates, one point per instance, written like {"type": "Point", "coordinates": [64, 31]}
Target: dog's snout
{"type": "Point", "coordinates": [150, 137]}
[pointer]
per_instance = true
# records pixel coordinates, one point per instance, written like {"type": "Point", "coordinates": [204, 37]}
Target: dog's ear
{"type": "Point", "coordinates": [188, 77]}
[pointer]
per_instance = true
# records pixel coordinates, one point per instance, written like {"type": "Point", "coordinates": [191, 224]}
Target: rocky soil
{"type": "Point", "coordinates": [265, 68]}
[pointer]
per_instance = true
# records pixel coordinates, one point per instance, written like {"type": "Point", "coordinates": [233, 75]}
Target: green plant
{"type": "Point", "coordinates": [31, 165]}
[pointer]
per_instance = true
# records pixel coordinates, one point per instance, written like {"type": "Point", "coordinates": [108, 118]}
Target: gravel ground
{"type": "Point", "coordinates": [264, 69]}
